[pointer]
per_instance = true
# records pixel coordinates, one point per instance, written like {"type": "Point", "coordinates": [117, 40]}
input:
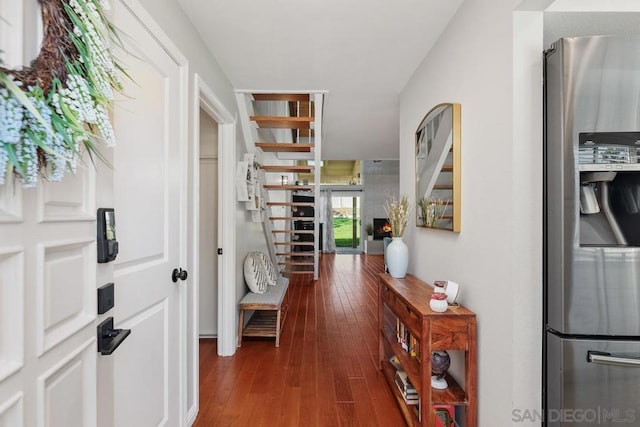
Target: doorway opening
{"type": "Point", "coordinates": [208, 213]}
{"type": "Point", "coordinates": [346, 223]}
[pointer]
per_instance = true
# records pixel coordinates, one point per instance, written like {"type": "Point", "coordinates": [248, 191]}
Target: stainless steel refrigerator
{"type": "Point", "coordinates": [592, 232]}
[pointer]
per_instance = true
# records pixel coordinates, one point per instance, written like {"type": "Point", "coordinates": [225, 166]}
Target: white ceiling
{"type": "Point", "coordinates": [361, 51]}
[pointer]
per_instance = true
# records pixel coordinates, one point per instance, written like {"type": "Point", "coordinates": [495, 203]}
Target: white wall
{"type": "Point", "coordinates": [169, 16]}
{"type": "Point", "coordinates": [472, 63]}
{"type": "Point", "coordinates": [380, 181]}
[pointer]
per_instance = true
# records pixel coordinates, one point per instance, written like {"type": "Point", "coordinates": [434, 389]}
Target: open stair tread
{"type": "Point", "coordinates": [288, 187]}
{"type": "Point", "coordinates": [300, 204]}
{"type": "Point", "coordinates": [287, 168]}
{"type": "Point", "coordinates": [283, 122]}
{"type": "Point", "coordinates": [281, 96]}
{"type": "Point", "coordinates": [303, 117]}
{"type": "Point", "coordinates": [285, 147]}
{"type": "Point", "coordinates": [291, 218]}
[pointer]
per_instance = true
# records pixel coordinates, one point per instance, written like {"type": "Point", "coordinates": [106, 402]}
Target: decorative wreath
{"type": "Point", "coordinates": [54, 109]}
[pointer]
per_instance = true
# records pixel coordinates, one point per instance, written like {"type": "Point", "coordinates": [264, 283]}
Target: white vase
{"type": "Point", "coordinates": [397, 258]}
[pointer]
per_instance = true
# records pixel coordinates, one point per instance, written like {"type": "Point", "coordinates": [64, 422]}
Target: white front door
{"type": "Point", "coordinates": [48, 303]}
{"type": "Point", "coordinates": [148, 175]}
{"type": "Point", "coordinates": [47, 281]}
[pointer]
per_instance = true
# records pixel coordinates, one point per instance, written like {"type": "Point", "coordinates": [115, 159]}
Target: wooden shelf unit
{"type": "Point", "coordinates": [407, 301]}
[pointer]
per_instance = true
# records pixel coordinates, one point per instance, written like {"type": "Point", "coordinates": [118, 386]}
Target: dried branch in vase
{"type": "Point", "coordinates": [397, 210]}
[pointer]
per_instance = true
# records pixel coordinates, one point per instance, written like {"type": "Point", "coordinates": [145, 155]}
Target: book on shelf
{"type": "Point", "coordinates": [411, 399]}
{"type": "Point", "coordinates": [402, 379]}
{"type": "Point", "coordinates": [395, 362]}
{"type": "Point", "coordinates": [408, 342]}
{"type": "Point", "coordinates": [407, 392]}
{"type": "Point", "coordinates": [404, 385]}
{"type": "Point", "coordinates": [412, 402]}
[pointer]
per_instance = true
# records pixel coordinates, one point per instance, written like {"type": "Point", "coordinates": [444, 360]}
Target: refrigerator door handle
{"type": "Point", "coordinates": [604, 358]}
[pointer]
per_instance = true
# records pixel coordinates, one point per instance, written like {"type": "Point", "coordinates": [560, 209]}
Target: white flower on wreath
{"type": "Point", "coordinates": [74, 114]}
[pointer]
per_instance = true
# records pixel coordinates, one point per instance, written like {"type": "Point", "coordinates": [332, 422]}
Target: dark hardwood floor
{"type": "Point", "coordinates": [325, 371]}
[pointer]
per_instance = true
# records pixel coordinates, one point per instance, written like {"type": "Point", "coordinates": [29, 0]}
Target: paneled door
{"type": "Point", "coordinates": [47, 281]}
{"type": "Point", "coordinates": [48, 303]}
{"type": "Point", "coordinates": [148, 175]}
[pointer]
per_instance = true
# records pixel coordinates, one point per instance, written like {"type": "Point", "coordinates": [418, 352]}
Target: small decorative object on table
{"type": "Point", "coordinates": [438, 302]}
{"type": "Point", "coordinates": [452, 289]}
{"type": "Point", "coordinates": [397, 253]}
{"type": "Point", "coordinates": [440, 362]}
{"type": "Point", "coordinates": [439, 285]}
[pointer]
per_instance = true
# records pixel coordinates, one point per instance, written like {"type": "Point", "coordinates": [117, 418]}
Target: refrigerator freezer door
{"type": "Point", "coordinates": [593, 382]}
{"type": "Point", "coordinates": [592, 85]}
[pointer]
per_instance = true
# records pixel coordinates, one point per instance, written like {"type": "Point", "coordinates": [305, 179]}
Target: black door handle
{"type": "Point", "coordinates": [109, 338]}
{"type": "Point", "coordinates": [178, 274]}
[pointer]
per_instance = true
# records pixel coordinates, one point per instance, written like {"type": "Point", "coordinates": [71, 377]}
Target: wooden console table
{"type": "Point", "coordinates": [403, 304]}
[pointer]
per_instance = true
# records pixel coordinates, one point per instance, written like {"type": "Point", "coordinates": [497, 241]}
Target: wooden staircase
{"type": "Point", "coordinates": [284, 132]}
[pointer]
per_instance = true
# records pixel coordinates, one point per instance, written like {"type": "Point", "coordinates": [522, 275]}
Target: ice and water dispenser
{"type": "Point", "coordinates": [609, 188]}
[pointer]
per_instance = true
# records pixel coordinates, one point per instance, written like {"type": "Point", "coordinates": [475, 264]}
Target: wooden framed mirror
{"type": "Point", "coordinates": [438, 171]}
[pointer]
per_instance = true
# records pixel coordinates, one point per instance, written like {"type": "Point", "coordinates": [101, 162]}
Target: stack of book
{"type": "Point", "coordinates": [408, 391]}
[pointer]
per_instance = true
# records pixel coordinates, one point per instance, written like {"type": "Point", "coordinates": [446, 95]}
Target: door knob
{"type": "Point", "coordinates": [178, 274]}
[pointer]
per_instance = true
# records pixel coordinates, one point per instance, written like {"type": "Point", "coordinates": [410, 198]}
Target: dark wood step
{"type": "Point", "coordinates": [281, 122]}
{"type": "Point", "coordinates": [287, 168]}
{"type": "Point", "coordinates": [292, 231]}
{"type": "Point", "coordinates": [281, 96]}
{"type": "Point", "coordinates": [443, 187]}
{"type": "Point", "coordinates": [291, 218]}
{"type": "Point", "coordinates": [288, 187]}
{"type": "Point", "coordinates": [285, 147]}
{"type": "Point", "coordinates": [299, 204]}
{"type": "Point", "coordinates": [293, 243]}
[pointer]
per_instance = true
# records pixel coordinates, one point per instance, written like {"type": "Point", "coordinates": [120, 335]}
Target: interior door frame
{"type": "Point", "coordinates": [204, 98]}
